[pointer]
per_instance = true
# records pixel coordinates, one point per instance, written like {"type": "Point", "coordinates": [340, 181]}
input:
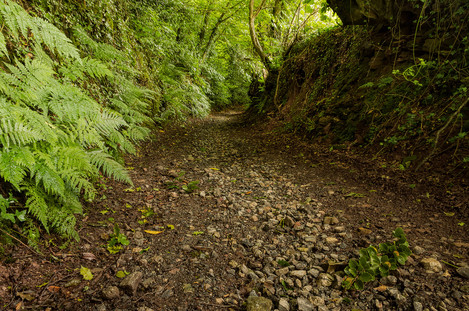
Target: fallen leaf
{"type": "Point", "coordinates": [449, 214]}
{"type": "Point", "coordinates": [89, 256]}
{"type": "Point", "coordinates": [86, 273]}
{"type": "Point", "coordinates": [381, 288]}
{"type": "Point", "coordinates": [53, 289]}
{"type": "Point", "coordinates": [249, 192]}
{"type": "Point", "coordinates": [121, 274]}
{"type": "Point", "coordinates": [364, 231]}
{"type": "Point", "coordinates": [19, 306]}
{"type": "Point", "coordinates": [461, 244]}
{"type": "Point", "coordinates": [174, 271]}
{"type": "Point", "coordinates": [26, 296]}
{"type": "Point", "coordinates": [153, 232]}
{"type": "Point", "coordinates": [214, 168]}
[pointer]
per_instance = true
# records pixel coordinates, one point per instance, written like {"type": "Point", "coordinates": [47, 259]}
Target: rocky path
{"type": "Point", "coordinates": [224, 217]}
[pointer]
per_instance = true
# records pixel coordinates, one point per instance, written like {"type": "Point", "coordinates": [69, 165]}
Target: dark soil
{"type": "Point", "coordinates": [203, 244]}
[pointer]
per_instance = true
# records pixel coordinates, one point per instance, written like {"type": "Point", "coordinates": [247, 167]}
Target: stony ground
{"type": "Point", "coordinates": [225, 216]}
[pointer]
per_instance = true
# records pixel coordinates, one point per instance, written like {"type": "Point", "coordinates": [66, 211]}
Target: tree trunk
{"type": "Point", "coordinates": [255, 40]}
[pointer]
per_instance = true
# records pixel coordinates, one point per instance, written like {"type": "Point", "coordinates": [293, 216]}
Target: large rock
{"type": "Point", "coordinates": [374, 12]}
{"type": "Point", "coordinates": [259, 304]}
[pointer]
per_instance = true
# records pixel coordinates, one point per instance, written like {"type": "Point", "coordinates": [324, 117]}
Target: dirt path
{"type": "Point", "coordinates": [221, 211]}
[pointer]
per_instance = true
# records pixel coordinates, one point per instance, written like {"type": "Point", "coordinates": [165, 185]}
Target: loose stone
{"type": "Point", "coordinates": [131, 282]}
{"type": "Point", "coordinates": [283, 305]}
{"type": "Point", "coordinates": [304, 305]}
{"type": "Point", "coordinates": [259, 304]}
{"type": "Point", "coordinates": [431, 265]}
{"type": "Point", "coordinates": [111, 292]}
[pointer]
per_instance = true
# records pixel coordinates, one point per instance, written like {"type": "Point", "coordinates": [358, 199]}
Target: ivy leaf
{"type": "Point", "coordinates": [86, 273]}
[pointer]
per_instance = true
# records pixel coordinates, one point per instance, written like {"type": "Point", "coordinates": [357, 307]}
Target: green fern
{"type": "Point", "coordinates": [108, 166]}
{"type": "Point", "coordinates": [58, 130]}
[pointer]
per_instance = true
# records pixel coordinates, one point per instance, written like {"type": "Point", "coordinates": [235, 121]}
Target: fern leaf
{"type": "Point", "coordinates": [109, 167]}
{"type": "Point", "coordinates": [110, 121]}
{"type": "Point", "coordinates": [16, 18]}
{"type": "Point", "coordinates": [11, 171]}
{"type": "Point", "coordinates": [36, 204]}
{"type": "Point", "coordinates": [49, 178]}
{"type": "Point", "coordinates": [3, 46]}
{"type": "Point", "coordinates": [96, 69]}
{"type": "Point", "coordinates": [16, 133]}
{"type": "Point", "coordinates": [138, 133]}
{"type": "Point", "coordinates": [63, 222]}
{"type": "Point", "coordinates": [55, 39]}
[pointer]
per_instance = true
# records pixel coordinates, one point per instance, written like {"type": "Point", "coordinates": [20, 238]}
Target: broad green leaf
{"type": "Point", "coordinates": [366, 277]}
{"type": "Point", "coordinates": [358, 285]}
{"type": "Point", "coordinates": [401, 260]}
{"type": "Point", "coordinates": [398, 233]}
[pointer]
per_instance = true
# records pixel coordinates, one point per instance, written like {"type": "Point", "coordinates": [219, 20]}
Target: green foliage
{"type": "Point", "coordinates": [58, 131]}
{"type": "Point", "coordinates": [118, 239]}
{"type": "Point", "coordinates": [191, 186]}
{"type": "Point", "coordinates": [6, 212]}
{"type": "Point", "coordinates": [377, 261]}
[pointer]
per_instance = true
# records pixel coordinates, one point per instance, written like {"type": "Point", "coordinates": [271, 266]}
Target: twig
{"type": "Point", "coordinates": [439, 133]}
{"type": "Point", "coordinates": [449, 264]}
{"type": "Point", "coordinates": [218, 306]}
{"type": "Point", "coordinates": [21, 242]}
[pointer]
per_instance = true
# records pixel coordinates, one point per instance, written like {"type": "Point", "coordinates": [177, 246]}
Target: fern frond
{"type": "Point", "coordinates": [3, 46]}
{"type": "Point", "coordinates": [138, 133]}
{"type": "Point", "coordinates": [36, 203]}
{"type": "Point", "coordinates": [14, 164]}
{"type": "Point", "coordinates": [85, 134]}
{"type": "Point", "coordinates": [15, 17]}
{"type": "Point", "coordinates": [16, 133]}
{"type": "Point", "coordinates": [96, 69]}
{"type": "Point", "coordinates": [118, 142]}
{"type": "Point", "coordinates": [71, 201]}
{"type": "Point", "coordinates": [46, 175]}
{"type": "Point", "coordinates": [35, 121]}
{"type": "Point", "coordinates": [109, 166]}
{"type": "Point", "coordinates": [77, 180]}
{"type": "Point", "coordinates": [55, 39]}
{"type": "Point", "coordinates": [109, 122]}
{"type": "Point", "coordinates": [101, 51]}
{"type": "Point", "coordinates": [63, 222]}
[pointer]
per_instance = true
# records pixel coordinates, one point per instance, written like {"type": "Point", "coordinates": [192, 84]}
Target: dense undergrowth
{"type": "Point", "coordinates": [400, 91]}
{"type": "Point", "coordinates": [81, 83]}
